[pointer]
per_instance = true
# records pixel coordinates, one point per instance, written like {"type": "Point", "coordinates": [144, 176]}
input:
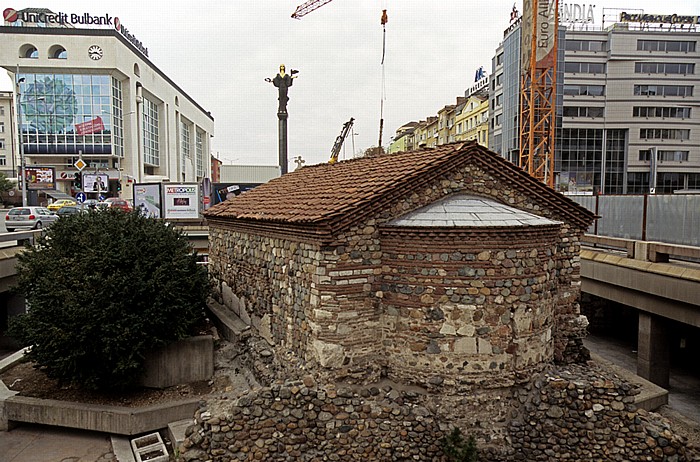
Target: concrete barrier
{"type": "Point", "coordinates": [119, 420]}
{"type": "Point", "coordinates": [189, 360]}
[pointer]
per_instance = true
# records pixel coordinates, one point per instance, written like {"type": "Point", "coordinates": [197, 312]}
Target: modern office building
{"type": "Point", "coordinates": [628, 108]}
{"type": "Point", "coordinates": [93, 94]}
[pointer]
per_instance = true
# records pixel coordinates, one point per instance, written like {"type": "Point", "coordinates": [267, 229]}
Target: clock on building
{"type": "Point", "coordinates": [95, 52]}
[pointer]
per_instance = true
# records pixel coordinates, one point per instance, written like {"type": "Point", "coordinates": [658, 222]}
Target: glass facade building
{"type": "Point", "coordinates": [70, 113]}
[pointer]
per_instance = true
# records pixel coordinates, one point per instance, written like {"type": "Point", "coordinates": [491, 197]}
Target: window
{"type": "Point", "coordinates": [2, 127]}
{"type": "Point", "coordinates": [2, 143]}
{"type": "Point", "coordinates": [666, 45]}
{"type": "Point", "coordinates": [2, 110]}
{"type": "Point", "coordinates": [663, 90]}
{"type": "Point", "coordinates": [664, 155]}
{"type": "Point", "coordinates": [151, 144]}
{"type": "Point", "coordinates": [3, 161]}
{"type": "Point", "coordinates": [499, 59]}
{"type": "Point", "coordinates": [498, 120]}
{"type": "Point", "coordinates": [663, 112]}
{"type": "Point", "coordinates": [185, 140]}
{"type": "Point", "coordinates": [199, 153]}
{"type": "Point", "coordinates": [590, 112]}
{"type": "Point", "coordinates": [584, 68]}
{"type": "Point", "coordinates": [28, 51]}
{"type": "Point", "coordinates": [499, 80]}
{"type": "Point", "coordinates": [664, 134]}
{"type": "Point", "coordinates": [58, 52]}
{"type": "Point", "coordinates": [664, 68]}
{"type": "Point", "coordinates": [586, 45]}
{"type": "Point", "coordinates": [499, 100]}
{"type": "Point", "coordinates": [637, 182]}
{"type": "Point", "coordinates": [584, 90]}
{"type": "Point", "coordinates": [66, 113]}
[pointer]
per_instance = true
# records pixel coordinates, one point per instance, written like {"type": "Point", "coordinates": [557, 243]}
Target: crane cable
{"type": "Point", "coordinates": [384, 20]}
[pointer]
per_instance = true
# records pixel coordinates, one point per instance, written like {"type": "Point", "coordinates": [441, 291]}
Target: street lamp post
{"type": "Point", "coordinates": [22, 161]}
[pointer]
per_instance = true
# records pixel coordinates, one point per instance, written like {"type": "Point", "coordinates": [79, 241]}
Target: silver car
{"type": "Point", "coordinates": [29, 218]}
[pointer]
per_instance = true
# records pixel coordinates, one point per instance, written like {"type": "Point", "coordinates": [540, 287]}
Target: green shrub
{"type": "Point", "coordinates": [457, 449]}
{"type": "Point", "coordinates": [103, 288]}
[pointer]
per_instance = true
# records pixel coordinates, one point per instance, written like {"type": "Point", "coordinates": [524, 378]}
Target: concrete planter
{"type": "Point", "coordinates": [189, 360]}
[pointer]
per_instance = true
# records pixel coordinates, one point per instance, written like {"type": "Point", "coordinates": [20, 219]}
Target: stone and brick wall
{"type": "Point", "coordinates": [468, 306]}
{"type": "Point", "coordinates": [574, 413]}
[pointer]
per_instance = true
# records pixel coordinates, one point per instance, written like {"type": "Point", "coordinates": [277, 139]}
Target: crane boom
{"type": "Point", "coordinates": [339, 141]}
{"type": "Point", "coordinates": [308, 7]}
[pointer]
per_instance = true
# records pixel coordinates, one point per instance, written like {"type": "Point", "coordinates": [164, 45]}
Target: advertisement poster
{"type": "Point", "coordinates": [147, 199]}
{"type": "Point", "coordinates": [39, 178]}
{"type": "Point", "coordinates": [95, 182]}
{"type": "Point", "coordinates": [181, 201]}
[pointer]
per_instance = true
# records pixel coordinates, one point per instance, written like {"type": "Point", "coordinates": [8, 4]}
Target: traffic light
{"type": "Point", "coordinates": [78, 182]}
{"type": "Point", "coordinates": [119, 185]}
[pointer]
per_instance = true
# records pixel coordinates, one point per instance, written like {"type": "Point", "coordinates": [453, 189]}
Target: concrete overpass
{"type": "Point", "coordinates": [662, 281]}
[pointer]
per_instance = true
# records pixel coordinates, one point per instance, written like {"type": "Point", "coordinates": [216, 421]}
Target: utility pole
{"type": "Point", "coordinates": [22, 161]}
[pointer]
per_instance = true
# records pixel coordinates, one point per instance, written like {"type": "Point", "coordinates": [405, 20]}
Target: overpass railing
{"type": "Point", "coordinates": [672, 218]}
{"type": "Point", "coordinates": [658, 252]}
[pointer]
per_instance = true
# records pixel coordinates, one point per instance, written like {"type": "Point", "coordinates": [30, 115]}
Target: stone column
{"type": "Point", "coordinates": [654, 355]}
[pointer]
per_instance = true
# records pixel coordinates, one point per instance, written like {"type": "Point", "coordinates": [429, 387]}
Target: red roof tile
{"type": "Point", "coordinates": [324, 192]}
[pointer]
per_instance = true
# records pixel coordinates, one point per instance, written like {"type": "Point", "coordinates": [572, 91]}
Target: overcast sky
{"type": "Point", "coordinates": [220, 52]}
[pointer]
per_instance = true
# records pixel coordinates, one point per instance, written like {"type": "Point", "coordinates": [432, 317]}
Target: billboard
{"type": "Point", "coordinates": [181, 201]}
{"type": "Point", "coordinates": [95, 182]}
{"type": "Point", "coordinates": [538, 32]}
{"type": "Point", "coordinates": [148, 200]}
{"type": "Point", "coordinates": [40, 177]}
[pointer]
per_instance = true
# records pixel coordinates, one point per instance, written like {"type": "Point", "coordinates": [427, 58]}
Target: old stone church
{"type": "Point", "coordinates": [442, 266]}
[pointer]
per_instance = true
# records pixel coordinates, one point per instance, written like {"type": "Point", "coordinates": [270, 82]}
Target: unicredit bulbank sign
{"type": "Point", "coordinates": [86, 19]}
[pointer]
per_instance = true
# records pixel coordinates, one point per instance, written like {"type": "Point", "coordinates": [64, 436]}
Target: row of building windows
{"type": "Point", "coordinates": [637, 111]}
{"type": "Point", "coordinates": [664, 133]}
{"type": "Point", "coordinates": [666, 182]}
{"type": "Point", "coordinates": [664, 155]}
{"type": "Point", "coordinates": [583, 111]}
{"type": "Point", "coordinates": [639, 90]}
{"type": "Point", "coordinates": [669, 46]}
{"type": "Point", "coordinates": [663, 90]}
{"type": "Point", "coordinates": [584, 68]}
{"type": "Point", "coordinates": [584, 90]}
{"type": "Point", "coordinates": [666, 45]}
{"type": "Point", "coordinates": [664, 68]}
{"type": "Point", "coordinates": [663, 112]}
{"type": "Point", "coordinates": [586, 45]}
{"type": "Point", "coordinates": [31, 52]}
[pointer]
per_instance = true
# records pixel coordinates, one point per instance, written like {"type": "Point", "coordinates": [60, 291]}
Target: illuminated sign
{"type": "Point", "coordinates": [659, 18]}
{"type": "Point", "coordinates": [86, 19]}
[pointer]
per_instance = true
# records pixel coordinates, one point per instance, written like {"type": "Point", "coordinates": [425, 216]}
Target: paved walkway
{"type": "Point", "coordinates": [38, 443]}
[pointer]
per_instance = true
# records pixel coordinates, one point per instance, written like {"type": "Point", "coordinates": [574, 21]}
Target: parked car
{"type": "Point", "coordinates": [29, 217]}
{"type": "Point", "coordinates": [90, 204]}
{"type": "Point", "coordinates": [115, 202]}
{"type": "Point", "coordinates": [69, 210]}
{"type": "Point", "coordinates": [61, 203]}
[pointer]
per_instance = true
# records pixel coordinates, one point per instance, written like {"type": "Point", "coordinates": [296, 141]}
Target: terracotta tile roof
{"type": "Point", "coordinates": [327, 193]}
